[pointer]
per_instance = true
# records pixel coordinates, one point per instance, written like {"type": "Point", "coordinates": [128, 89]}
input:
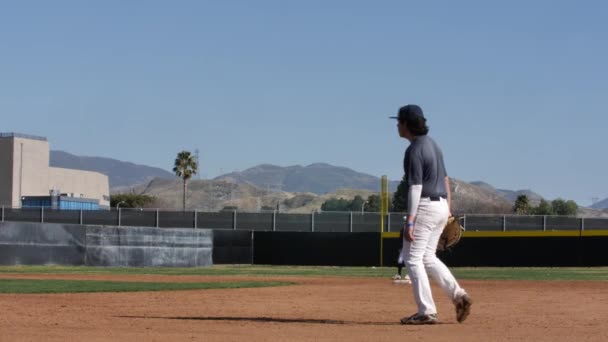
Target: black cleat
{"type": "Point", "coordinates": [463, 307]}
{"type": "Point", "coordinates": [420, 319]}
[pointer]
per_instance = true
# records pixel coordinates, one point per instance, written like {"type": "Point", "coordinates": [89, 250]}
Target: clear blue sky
{"type": "Point", "coordinates": [514, 91]}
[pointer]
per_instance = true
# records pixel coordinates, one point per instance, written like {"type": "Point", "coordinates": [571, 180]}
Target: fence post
{"type": "Point", "coordinates": [312, 221]}
{"type": "Point", "coordinates": [544, 223]}
{"type": "Point", "coordinates": [2, 213]}
{"type": "Point", "coordinates": [80, 218]}
{"type": "Point", "coordinates": [234, 220]}
{"type": "Point", "coordinates": [195, 218]}
{"type": "Point", "coordinates": [464, 221]}
{"type": "Point", "coordinates": [582, 224]}
{"type": "Point", "coordinates": [504, 223]}
{"type": "Point", "coordinates": [388, 221]}
{"type": "Point", "coordinates": [41, 214]}
{"type": "Point", "coordinates": [119, 217]}
{"type": "Point", "coordinates": [157, 218]}
{"type": "Point", "coordinates": [252, 246]}
{"type": "Point", "coordinates": [274, 220]}
{"type": "Point", "coordinates": [350, 221]}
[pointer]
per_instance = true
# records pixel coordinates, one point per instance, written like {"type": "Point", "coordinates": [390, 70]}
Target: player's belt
{"type": "Point", "coordinates": [435, 198]}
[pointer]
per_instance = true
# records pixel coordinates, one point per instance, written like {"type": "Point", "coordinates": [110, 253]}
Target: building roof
{"type": "Point", "coordinates": [19, 135]}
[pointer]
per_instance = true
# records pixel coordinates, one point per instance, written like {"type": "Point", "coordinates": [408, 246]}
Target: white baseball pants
{"type": "Point", "coordinates": [421, 259]}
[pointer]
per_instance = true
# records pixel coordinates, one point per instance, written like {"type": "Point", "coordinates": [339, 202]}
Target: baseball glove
{"type": "Point", "coordinates": [451, 234]}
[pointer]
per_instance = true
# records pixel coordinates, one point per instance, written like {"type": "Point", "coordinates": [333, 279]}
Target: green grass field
{"type": "Point", "coordinates": [73, 286]}
{"type": "Point", "coordinates": [485, 273]}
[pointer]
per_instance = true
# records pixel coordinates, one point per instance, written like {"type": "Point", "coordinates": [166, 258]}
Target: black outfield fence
{"type": "Point", "coordinates": [26, 243]}
{"type": "Point", "coordinates": [320, 249]}
{"type": "Point", "coordinates": [334, 222]}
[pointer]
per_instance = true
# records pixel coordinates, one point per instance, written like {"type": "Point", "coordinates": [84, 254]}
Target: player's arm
{"type": "Point", "coordinates": [414, 175]}
{"type": "Point", "coordinates": [413, 200]}
{"type": "Point", "coordinates": [449, 192]}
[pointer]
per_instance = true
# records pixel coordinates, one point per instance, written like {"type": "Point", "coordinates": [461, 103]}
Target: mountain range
{"type": "Point", "coordinates": [314, 180]}
{"type": "Point", "coordinates": [318, 178]}
{"type": "Point", "coordinates": [510, 194]}
{"type": "Point", "coordinates": [603, 204]}
{"type": "Point", "coordinates": [120, 173]}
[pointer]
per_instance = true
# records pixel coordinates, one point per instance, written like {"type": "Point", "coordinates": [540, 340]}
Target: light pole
{"type": "Point", "coordinates": [118, 210]}
{"type": "Point", "coordinates": [118, 204]}
{"type": "Point", "coordinates": [363, 207]}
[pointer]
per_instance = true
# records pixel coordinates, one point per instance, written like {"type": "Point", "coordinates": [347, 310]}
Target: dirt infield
{"type": "Point", "coordinates": [316, 309]}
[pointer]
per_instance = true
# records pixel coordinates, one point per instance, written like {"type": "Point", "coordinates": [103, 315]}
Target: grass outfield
{"type": "Point", "coordinates": [485, 273]}
{"type": "Point", "coordinates": [73, 286]}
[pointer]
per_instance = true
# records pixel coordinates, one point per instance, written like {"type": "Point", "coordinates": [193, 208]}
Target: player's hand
{"type": "Point", "coordinates": [408, 233]}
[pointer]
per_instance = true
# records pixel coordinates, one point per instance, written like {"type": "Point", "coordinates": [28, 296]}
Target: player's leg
{"type": "Point", "coordinates": [435, 267]}
{"type": "Point", "coordinates": [440, 272]}
{"type": "Point", "coordinates": [415, 251]}
{"type": "Point", "coordinates": [400, 265]}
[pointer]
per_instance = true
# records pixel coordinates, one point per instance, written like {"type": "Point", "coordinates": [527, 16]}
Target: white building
{"type": "Point", "coordinates": [25, 172]}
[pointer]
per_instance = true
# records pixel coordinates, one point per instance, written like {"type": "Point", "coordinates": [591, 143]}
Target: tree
{"type": "Point", "coordinates": [399, 203]}
{"type": "Point", "coordinates": [185, 167]}
{"type": "Point", "coordinates": [340, 204]}
{"type": "Point", "coordinates": [571, 208]}
{"type": "Point", "coordinates": [543, 208]}
{"type": "Point", "coordinates": [131, 200]}
{"type": "Point", "coordinates": [522, 205]}
{"type": "Point", "coordinates": [374, 203]}
{"type": "Point", "coordinates": [563, 207]}
{"type": "Point", "coordinates": [335, 204]}
{"type": "Point", "coordinates": [356, 204]}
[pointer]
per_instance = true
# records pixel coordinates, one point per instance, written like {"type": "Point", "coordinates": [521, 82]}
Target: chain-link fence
{"type": "Point", "coordinates": [279, 221]}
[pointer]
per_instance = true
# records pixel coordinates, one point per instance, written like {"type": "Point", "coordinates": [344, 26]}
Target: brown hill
{"type": "Point", "coordinates": [471, 199]}
{"type": "Point", "coordinates": [318, 178]}
{"type": "Point", "coordinates": [590, 212]}
{"type": "Point", "coordinates": [217, 194]}
{"type": "Point", "coordinates": [210, 195]}
{"type": "Point", "coordinates": [120, 173]}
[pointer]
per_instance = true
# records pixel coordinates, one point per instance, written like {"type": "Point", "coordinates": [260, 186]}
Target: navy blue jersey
{"type": "Point", "coordinates": [423, 165]}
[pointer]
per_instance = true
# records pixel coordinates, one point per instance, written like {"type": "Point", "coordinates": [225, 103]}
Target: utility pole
{"type": "Point", "coordinates": [21, 178]}
{"type": "Point", "coordinates": [198, 174]}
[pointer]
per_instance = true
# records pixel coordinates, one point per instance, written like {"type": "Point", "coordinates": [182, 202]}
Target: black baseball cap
{"type": "Point", "coordinates": [409, 112]}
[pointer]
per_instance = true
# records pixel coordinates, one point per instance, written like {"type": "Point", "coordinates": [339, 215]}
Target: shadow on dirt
{"type": "Point", "coordinates": [269, 320]}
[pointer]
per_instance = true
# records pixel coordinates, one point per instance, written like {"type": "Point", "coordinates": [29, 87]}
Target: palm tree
{"type": "Point", "coordinates": [185, 167]}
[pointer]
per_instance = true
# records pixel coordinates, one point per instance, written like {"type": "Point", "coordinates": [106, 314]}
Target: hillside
{"type": "Point", "coordinates": [588, 212]}
{"type": "Point", "coordinates": [471, 198]}
{"type": "Point", "coordinates": [216, 194]}
{"type": "Point", "coordinates": [120, 173]}
{"type": "Point", "coordinates": [603, 204]}
{"type": "Point", "coordinates": [293, 188]}
{"type": "Point", "coordinates": [510, 195]}
{"type": "Point", "coordinates": [209, 194]}
{"type": "Point", "coordinates": [318, 178]}
{"type": "Point", "coordinates": [213, 195]}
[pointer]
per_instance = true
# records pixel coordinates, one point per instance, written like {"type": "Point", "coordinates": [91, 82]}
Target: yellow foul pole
{"type": "Point", "coordinates": [383, 212]}
{"type": "Point", "coordinates": [384, 200]}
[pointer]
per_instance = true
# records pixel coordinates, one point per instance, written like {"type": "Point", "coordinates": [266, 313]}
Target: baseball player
{"type": "Point", "coordinates": [428, 212]}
